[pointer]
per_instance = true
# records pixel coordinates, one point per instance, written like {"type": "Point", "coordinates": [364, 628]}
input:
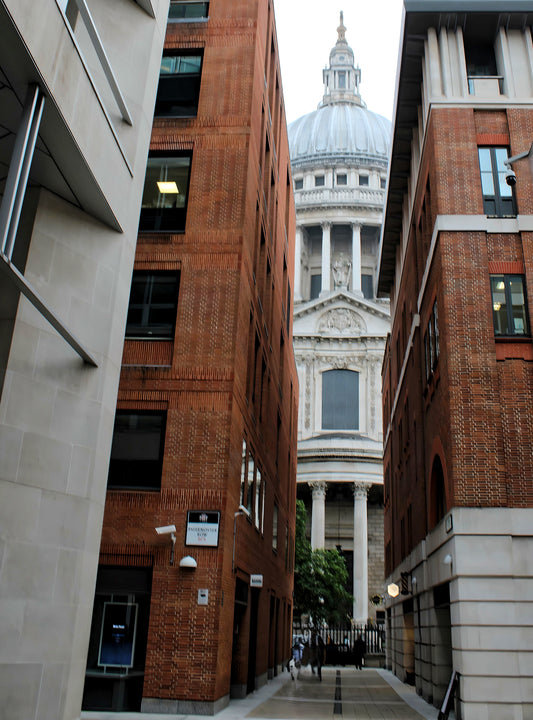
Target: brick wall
{"type": "Point", "coordinates": [481, 386]}
{"type": "Point", "coordinates": [202, 378]}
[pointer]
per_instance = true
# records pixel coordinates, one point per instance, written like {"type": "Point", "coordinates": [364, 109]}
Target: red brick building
{"type": "Point", "coordinates": [205, 432]}
{"type": "Point", "coordinates": [457, 264]}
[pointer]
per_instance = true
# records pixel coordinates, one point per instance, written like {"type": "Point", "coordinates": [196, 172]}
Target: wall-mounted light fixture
{"type": "Point", "coordinates": [393, 590]}
{"type": "Point", "coordinates": [168, 530]}
{"type": "Point", "coordinates": [188, 562]}
{"type": "Point", "coordinates": [448, 560]}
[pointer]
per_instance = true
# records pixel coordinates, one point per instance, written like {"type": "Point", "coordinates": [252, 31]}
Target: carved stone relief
{"type": "Point", "coordinates": [342, 321]}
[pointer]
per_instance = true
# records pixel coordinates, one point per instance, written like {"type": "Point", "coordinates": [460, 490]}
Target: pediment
{"type": "Point", "coordinates": [341, 314]}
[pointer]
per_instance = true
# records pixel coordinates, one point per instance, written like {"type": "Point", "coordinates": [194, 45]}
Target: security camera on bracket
{"type": "Point", "coordinates": [168, 530]}
{"type": "Point", "coordinates": [510, 176]}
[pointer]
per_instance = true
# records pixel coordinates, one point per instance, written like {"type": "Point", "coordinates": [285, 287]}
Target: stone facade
{"type": "Point", "coordinates": [339, 162]}
{"type": "Point", "coordinates": [64, 295]}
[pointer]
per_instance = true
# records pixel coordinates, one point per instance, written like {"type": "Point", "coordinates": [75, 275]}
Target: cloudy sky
{"type": "Point", "coordinates": [307, 30]}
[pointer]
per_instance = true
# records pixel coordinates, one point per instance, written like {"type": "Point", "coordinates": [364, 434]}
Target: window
{"type": "Point", "coordinates": [316, 285]}
{"type": "Point", "coordinates": [367, 286]}
{"type": "Point", "coordinates": [137, 450]}
{"type": "Point", "coordinates": [187, 10]}
{"type": "Point", "coordinates": [164, 202]}
{"type": "Point", "coordinates": [153, 303]}
{"type": "Point", "coordinates": [481, 67]}
{"type": "Point", "coordinates": [363, 180]}
{"type": "Point", "coordinates": [179, 86]}
{"type": "Point", "coordinates": [383, 183]}
{"type": "Point", "coordinates": [497, 195]}
{"type": "Point", "coordinates": [319, 180]}
{"type": "Point", "coordinates": [342, 179]}
{"type": "Point", "coordinates": [509, 305]}
{"type": "Point", "coordinates": [275, 528]}
{"type": "Point", "coordinates": [431, 342]}
{"type": "Point", "coordinates": [342, 80]}
{"type": "Point", "coordinates": [299, 184]}
{"type": "Point", "coordinates": [340, 400]}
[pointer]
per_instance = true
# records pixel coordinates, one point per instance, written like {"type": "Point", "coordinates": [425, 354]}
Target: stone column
{"type": "Point", "coordinates": [326, 258]}
{"type": "Point", "coordinates": [318, 517]}
{"type": "Point", "coordinates": [360, 553]}
{"type": "Point", "coordinates": [356, 259]}
{"type": "Point", "coordinates": [298, 265]}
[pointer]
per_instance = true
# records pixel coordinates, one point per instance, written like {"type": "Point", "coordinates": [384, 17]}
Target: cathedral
{"type": "Point", "coordinates": [339, 157]}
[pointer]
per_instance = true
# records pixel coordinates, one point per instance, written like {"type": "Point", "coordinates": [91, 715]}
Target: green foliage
{"type": "Point", "coordinates": [319, 579]}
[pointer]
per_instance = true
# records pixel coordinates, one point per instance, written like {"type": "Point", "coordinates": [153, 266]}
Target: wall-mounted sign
{"type": "Point", "coordinates": [117, 637]}
{"type": "Point", "coordinates": [256, 581]}
{"type": "Point", "coordinates": [203, 596]}
{"type": "Point", "coordinates": [202, 528]}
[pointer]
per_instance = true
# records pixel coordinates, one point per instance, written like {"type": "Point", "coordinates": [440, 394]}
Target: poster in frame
{"type": "Point", "coordinates": [117, 636]}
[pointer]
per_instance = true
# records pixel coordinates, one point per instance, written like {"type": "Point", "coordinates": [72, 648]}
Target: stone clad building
{"type": "Point", "coordinates": [76, 110]}
{"type": "Point", "coordinates": [195, 575]}
{"type": "Point", "coordinates": [339, 156]}
{"type": "Point", "coordinates": [456, 262]}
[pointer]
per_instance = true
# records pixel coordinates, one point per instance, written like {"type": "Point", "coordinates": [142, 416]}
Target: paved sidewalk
{"type": "Point", "coordinates": [343, 694]}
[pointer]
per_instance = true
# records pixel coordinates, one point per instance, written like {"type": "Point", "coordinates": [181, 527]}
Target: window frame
{"type": "Point", "coordinates": [120, 466]}
{"type": "Point", "coordinates": [507, 278]}
{"type": "Point", "coordinates": [181, 90]}
{"type": "Point", "coordinates": [192, 18]}
{"type": "Point", "coordinates": [160, 218]}
{"type": "Point", "coordinates": [330, 401]}
{"type": "Point", "coordinates": [141, 330]}
{"type": "Point", "coordinates": [495, 204]}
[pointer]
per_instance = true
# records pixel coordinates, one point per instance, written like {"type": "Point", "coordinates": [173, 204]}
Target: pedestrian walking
{"type": "Point", "coordinates": [359, 650]}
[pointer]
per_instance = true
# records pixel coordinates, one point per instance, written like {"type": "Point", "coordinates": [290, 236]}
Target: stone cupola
{"type": "Point", "coordinates": [341, 78]}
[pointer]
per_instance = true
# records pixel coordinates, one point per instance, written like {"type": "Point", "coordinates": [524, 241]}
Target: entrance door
{"type": "Point", "coordinates": [117, 645]}
{"type": "Point", "coordinates": [252, 647]}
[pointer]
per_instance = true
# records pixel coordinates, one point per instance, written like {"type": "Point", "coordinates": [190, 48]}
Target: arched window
{"type": "Point", "coordinates": [340, 400]}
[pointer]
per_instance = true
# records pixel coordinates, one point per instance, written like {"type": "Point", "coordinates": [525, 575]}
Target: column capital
{"type": "Point", "coordinates": [360, 490]}
{"type": "Point", "coordinates": [326, 225]}
{"type": "Point", "coordinates": [318, 488]}
{"type": "Point", "coordinates": [356, 224]}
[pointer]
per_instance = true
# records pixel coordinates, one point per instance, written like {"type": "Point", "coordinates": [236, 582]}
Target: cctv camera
{"type": "Point", "coordinates": [165, 529]}
{"type": "Point", "coordinates": [510, 177]}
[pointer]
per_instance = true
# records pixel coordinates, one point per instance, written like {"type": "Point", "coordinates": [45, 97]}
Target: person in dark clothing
{"type": "Point", "coordinates": [359, 650]}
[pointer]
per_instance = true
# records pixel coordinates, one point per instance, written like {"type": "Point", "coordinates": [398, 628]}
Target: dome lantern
{"type": "Point", "coordinates": [341, 78]}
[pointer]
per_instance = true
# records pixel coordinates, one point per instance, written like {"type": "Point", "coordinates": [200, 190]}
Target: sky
{"type": "Point", "coordinates": [307, 31]}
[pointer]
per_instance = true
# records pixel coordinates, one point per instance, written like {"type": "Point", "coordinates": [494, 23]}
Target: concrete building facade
{"type": "Point", "coordinates": [457, 377]}
{"type": "Point", "coordinates": [76, 112]}
{"type": "Point", "coordinates": [194, 592]}
{"type": "Point", "coordinates": [339, 156]}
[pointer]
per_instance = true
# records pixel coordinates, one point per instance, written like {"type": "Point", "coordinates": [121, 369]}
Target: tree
{"type": "Point", "coordinates": [319, 578]}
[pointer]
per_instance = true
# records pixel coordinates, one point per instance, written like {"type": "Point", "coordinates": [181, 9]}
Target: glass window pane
{"type": "Point", "coordinates": [518, 306]}
{"type": "Point", "coordinates": [499, 306]}
{"type": "Point", "coordinates": [316, 286]}
{"type": "Point", "coordinates": [137, 450]}
{"type": "Point", "coordinates": [166, 182]}
{"type": "Point", "coordinates": [340, 400]}
{"type": "Point", "coordinates": [181, 10]}
{"type": "Point", "coordinates": [153, 303]}
{"type": "Point", "coordinates": [485, 164]}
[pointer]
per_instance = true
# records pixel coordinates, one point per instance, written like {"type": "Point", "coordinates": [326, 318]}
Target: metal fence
{"type": "Point", "coordinates": [339, 641]}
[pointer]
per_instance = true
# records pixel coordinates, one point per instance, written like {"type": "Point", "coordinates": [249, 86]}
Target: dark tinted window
{"type": "Point", "coordinates": [340, 400]}
{"type": "Point", "coordinates": [153, 303]}
{"type": "Point", "coordinates": [179, 86]}
{"type": "Point", "coordinates": [137, 450]}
